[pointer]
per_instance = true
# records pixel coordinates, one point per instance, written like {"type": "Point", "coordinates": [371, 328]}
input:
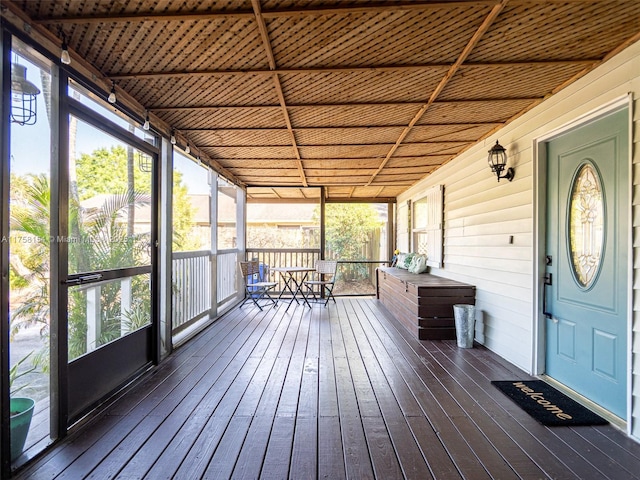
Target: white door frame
{"type": "Point", "coordinates": [539, 227]}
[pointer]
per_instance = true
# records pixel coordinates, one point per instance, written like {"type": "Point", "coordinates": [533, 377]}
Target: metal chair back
{"type": "Point", "coordinates": [327, 267]}
{"type": "Point", "coordinates": [322, 286]}
{"type": "Point", "coordinates": [255, 286]}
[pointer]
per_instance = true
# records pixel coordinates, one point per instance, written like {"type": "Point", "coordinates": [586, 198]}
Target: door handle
{"type": "Point", "coordinates": [83, 279]}
{"type": "Point", "coordinates": [548, 281]}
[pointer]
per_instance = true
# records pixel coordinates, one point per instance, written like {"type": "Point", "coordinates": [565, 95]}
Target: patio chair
{"type": "Point", "coordinates": [255, 288]}
{"type": "Point", "coordinates": [322, 281]}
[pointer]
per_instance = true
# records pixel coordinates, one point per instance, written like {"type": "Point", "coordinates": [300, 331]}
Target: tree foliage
{"type": "Point", "coordinates": [100, 240]}
{"type": "Point", "coordinates": [348, 227]}
{"type": "Point", "coordinates": [104, 171]}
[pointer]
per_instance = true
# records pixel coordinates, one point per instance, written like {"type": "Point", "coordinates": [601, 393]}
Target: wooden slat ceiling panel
{"type": "Point", "coordinates": [285, 193]}
{"type": "Point", "coordinates": [449, 133]}
{"type": "Point", "coordinates": [235, 138]}
{"type": "Point", "coordinates": [360, 87]}
{"type": "Point", "coordinates": [353, 115]}
{"type": "Point", "coordinates": [241, 90]}
{"type": "Point", "coordinates": [495, 111]}
{"type": "Point", "coordinates": [344, 151]}
{"type": "Point", "coordinates": [556, 31]}
{"type": "Point", "coordinates": [400, 179]}
{"type": "Point", "coordinates": [338, 172]}
{"type": "Point", "coordinates": [75, 8]}
{"type": "Point", "coordinates": [350, 192]}
{"type": "Point", "coordinates": [148, 43]}
{"type": "Point", "coordinates": [431, 160]}
{"type": "Point", "coordinates": [251, 152]}
{"type": "Point", "coordinates": [275, 181]}
{"type": "Point", "coordinates": [386, 38]}
{"type": "Point", "coordinates": [341, 175]}
{"type": "Point", "coordinates": [365, 97]}
{"type": "Point", "coordinates": [294, 193]}
{"type": "Point", "coordinates": [348, 136]}
{"type": "Point", "coordinates": [341, 180]}
{"type": "Point", "coordinates": [351, 163]}
{"type": "Point", "coordinates": [409, 170]}
{"type": "Point", "coordinates": [487, 82]}
{"type": "Point", "coordinates": [238, 164]}
{"type": "Point", "coordinates": [215, 118]}
{"type": "Point", "coordinates": [409, 150]}
{"type": "Point", "coordinates": [267, 173]}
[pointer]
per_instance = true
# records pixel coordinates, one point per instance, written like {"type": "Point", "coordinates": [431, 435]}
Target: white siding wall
{"type": "Point", "coordinates": [481, 215]}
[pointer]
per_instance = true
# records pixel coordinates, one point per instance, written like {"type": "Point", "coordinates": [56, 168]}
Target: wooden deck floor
{"type": "Point", "coordinates": [337, 392]}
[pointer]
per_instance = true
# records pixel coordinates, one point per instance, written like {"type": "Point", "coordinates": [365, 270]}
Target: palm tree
{"type": "Point", "coordinates": [103, 243]}
{"type": "Point", "coordinates": [29, 258]}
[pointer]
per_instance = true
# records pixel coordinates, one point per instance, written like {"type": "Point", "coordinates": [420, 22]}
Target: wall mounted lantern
{"type": "Point", "coordinates": [24, 108]}
{"type": "Point", "coordinates": [498, 162]}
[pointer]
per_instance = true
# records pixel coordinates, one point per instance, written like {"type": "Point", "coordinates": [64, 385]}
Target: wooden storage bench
{"type": "Point", "coordinates": [423, 303]}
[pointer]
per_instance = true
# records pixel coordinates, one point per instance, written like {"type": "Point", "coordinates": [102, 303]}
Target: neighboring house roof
{"type": "Point", "coordinates": [298, 214]}
{"type": "Point", "coordinates": [202, 206]}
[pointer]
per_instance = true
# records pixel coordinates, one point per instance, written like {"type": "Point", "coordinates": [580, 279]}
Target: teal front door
{"type": "Point", "coordinates": [586, 291]}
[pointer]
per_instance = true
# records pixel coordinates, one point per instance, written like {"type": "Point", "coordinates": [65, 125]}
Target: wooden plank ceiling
{"type": "Point", "coordinates": [364, 97]}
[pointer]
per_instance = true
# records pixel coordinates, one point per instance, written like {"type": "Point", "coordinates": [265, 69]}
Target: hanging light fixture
{"type": "Point", "coordinates": [145, 162]}
{"type": "Point", "coordinates": [173, 138]}
{"type": "Point", "coordinates": [146, 125]}
{"type": "Point", "coordinates": [498, 162]}
{"type": "Point", "coordinates": [24, 108]}
{"type": "Point", "coordinates": [187, 149]}
{"type": "Point", "coordinates": [65, 58]}
{"type": "Point", "coordinates": [112, 95]}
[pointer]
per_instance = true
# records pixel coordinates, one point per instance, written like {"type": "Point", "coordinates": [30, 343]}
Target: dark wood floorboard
{"type": "Point", "coordinates": [337, 392]}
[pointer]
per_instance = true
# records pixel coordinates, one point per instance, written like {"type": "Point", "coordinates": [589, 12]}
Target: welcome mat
{"type": "Point", "coordinates": [546, 404]}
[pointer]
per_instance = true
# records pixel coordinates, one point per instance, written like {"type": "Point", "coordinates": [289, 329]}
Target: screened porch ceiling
{"type": "Point", "coordinates": [362, 97]}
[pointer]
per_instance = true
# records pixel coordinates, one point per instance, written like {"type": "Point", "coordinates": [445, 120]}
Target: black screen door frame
{"type": "Point", "coordinates": [87, 380]}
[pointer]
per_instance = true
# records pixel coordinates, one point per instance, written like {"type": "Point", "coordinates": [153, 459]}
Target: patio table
{"type": "Point", "coordinates": [290, 277]}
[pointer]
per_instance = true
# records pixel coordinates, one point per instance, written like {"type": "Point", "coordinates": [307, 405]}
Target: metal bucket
{"type": "Point", "coordinates": [465, 316]}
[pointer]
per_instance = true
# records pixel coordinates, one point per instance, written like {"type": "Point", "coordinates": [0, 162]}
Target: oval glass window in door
{"type": "Point", "coordinates": [586, 224]}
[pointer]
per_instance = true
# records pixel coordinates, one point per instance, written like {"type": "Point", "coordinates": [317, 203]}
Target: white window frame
{"type": "Point", "coordinates": [432, 226]}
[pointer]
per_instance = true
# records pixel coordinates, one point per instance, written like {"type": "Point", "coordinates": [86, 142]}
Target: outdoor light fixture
{"type": "Point", "coordinates": [145, 162]}
{"type": "Point", "coordinates": [146, 124]}
{"type": "Point", "coordinates": [64, 54]}
{"type": "Point", "coordinates": [173, 138]}
{"type": "Point", "coordinates": [112, 96]}
{"type": "Point", "coordinates": [24, 108]}
{"type": "Point", "coordinates": [187, 149]}
{"type": "Point", "coordinates": [498, 162]}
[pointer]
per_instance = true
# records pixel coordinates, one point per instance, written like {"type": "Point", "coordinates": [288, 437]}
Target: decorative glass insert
{"type": "Point", "coordinates": [586, 224]}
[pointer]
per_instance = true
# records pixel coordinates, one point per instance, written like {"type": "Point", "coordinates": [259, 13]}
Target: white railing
{"type": "Point", "coordinates": [354, 277]}
{"type": "Point", "coordinates": [193, 287]}
{"type": "Point", "coordinates": [227, 275]}
{"type": "Point", "coordinates": [105, 320]}
{"type": "Point", "coordinates": [191, 280]}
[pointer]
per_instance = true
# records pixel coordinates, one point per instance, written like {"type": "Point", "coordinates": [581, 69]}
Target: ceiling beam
{"type": "Point", "coordinates": [302, 129]}
{"type": "Point", "coordinates": [208, 15]}
{"type": "Point", "coordinates": [338, 105]}
{"type": "Point", "coordinates": [153, 16]}
{"type": "Point", "coordinates": [383, 68]}
{"type": "Point", "coordinates": [264, 34]}
{"type": "Point", "coordinates": [482, 29]}
{"type": "Point", "coordinates": [346, 145]}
